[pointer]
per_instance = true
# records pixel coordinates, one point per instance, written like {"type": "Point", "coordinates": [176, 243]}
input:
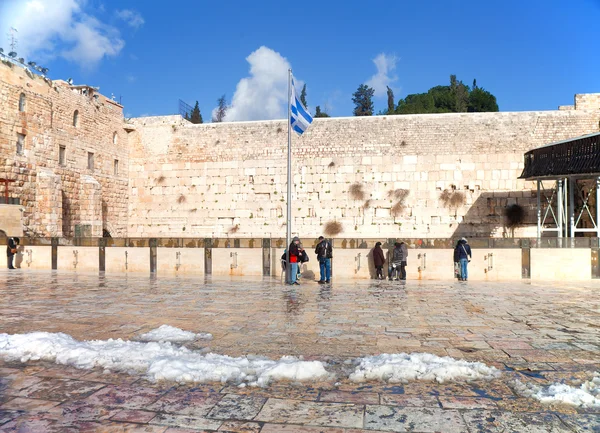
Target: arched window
{"type": "Point", "coordinates": [76, 118]}
{"type": "Point", "coordinates": [115, 138]}
{"type": "Point", "coordinates": [22, 102]}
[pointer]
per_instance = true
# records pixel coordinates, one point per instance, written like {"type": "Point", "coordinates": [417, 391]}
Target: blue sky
{"type": "Point", "coordinates": [533, 54]}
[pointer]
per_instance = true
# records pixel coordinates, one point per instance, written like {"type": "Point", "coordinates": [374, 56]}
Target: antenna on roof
{"type": "Point", "coordinates": [14, 42]}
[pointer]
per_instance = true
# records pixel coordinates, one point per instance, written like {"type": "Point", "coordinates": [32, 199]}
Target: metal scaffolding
{"type": "Point", "coordinates": [567, 174]}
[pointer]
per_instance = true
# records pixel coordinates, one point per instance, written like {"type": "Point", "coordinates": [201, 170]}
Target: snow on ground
{"type": "Point", "coordinates": [157, 360]}
{"type": "Point", "coordinates": [166, 333]}
{"type": "Point", "coordinates": [402, 367]}
{"type": "Point", "coordinates": [162, 360]}
{"type": "Point", "coordinates": [586, 396]}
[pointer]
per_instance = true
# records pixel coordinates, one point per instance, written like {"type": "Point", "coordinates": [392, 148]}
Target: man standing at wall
{"type": "Point", "coordinates": [324, 252]}
{"type": "Point", "coordinates": [463, 251]}
{"type": "Point", "coordinates": [11, 250]}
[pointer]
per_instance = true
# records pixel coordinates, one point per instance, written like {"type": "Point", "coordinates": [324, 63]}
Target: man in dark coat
{"type": "Point", "coordinates": [378, 260]}
{"type": "Point", "coordinates": [463, 252]}
{"type": "Point", "coordinates": [11, 250]}
{"type": "Point", "coordinates": [324, 252]}
{"type": "Point", "coordinates": [399, 261]}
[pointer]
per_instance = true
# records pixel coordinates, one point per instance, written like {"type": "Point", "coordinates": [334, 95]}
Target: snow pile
{"type": "Point", "coordinates": [156, 360]}
{"type": "Point", "coordinates": [402, 367]}
{"type": "Point", "coordinates": [166, 333]}
{"type": "Point", "coordinates": [586, 396]}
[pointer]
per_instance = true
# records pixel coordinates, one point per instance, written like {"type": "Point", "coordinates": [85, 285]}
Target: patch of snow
{"type": "Point", "coordinates": [586, 396]}
{"type": "Point", "coordinates": [402, 367]}
{"type": "Point", "coordinates": [158, 361]}
{"type": "Point", "coordinates": [166, 333]}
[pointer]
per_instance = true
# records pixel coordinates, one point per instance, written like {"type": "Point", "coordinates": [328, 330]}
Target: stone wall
{"type": "Point", "coordinates": [47, 123]}
{"type": "Point", "coordinates": [587, 101]}
{"type": "Point", "coordinates": [435, 175]}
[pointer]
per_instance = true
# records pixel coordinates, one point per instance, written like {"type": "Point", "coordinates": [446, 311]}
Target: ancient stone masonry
{"type": "Point", "coordinates": [420, 175]}
{"type": "Point", "coordinates": [47, 133]}
{"type": "Point", "coordinates": [81, 170]}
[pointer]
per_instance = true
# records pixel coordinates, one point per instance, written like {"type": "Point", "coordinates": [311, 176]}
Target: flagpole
{"type": "Point", "coordinates": [289, 182]}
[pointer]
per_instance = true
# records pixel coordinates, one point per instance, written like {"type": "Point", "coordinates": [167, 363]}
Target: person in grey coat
{"type": "Point", "coordinates": [399, 261]}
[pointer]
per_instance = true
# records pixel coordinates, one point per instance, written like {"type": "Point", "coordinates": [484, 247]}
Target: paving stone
{"type": "Point", "coordinates": [29, 404]}
{"type": "Point", "coordinates": [283, 428]}
{"type": "Point", "coordinates": [128, 397]}
{"type": "Point", "coordinates": [398, 419]}
{"type": "Point", "coordinates": [191, 403]}
{"type": "Point", "coordinates": [537, 333]}
{"type": "Point", "coordinates": [449, 402]}
{"type": "Point", "coordinates": [410, 400]}
{"type": "Point", "coordinates": [350, 397]}
{"type": "Point", "coordinates": [133, 416]}
{"type": "Point", "coordinates": [186, 421]}
{"type": "Point", "coordinates": [496, 421]}
{"type": "Point", "coordinates": [309, 413]}
{"type": "Point", "coordinates": [239, 407]}
{"type": "Point", "coordinates": [240, 427]}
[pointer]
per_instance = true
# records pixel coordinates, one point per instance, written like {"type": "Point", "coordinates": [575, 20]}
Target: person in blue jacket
{"type": "Point", "coordinates": [463, 253]}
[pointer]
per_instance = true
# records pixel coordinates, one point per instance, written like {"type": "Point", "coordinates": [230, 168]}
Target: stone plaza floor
{"type": "Point", "coordinates": [535, 334]}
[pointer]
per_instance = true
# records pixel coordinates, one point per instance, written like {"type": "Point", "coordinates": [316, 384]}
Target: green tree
{"type": "Point", "coordinates": [221, 110]}
{"type": "Point", "coordinates": [481, 100]}
{"type": "Point", "coordinates": [303, 96]}
{"type": "Point", "coordinates": [363, 100]}
{"type": "Point", "coordinates": [454, 98]}
{"type": "Point", "coordinates": [390, 98]}
{"type": "Point", "coordinates": [319, 113]}
{"type": "Point", "coordinates": [195, 116]}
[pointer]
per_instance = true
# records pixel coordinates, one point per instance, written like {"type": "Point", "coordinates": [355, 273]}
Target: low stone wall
{"type": "Point", "coordinates": [511, 260]}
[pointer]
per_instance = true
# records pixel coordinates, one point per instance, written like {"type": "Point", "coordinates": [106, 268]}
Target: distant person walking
{"type": "Point", "coordinates": [294, 259]}
{"type": "Point", "coordinates": [464, 257]}
{"type": "Point", "coordinates": [399, 261]}
{"type": "Point", "coordinates": [11, 250]}
{"type": "Point", "coordinates": [378, 260]}
{"type": "Point", "coordinates": [324, 252]}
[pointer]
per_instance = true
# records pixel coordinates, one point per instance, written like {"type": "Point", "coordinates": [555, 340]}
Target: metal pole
{"type": "Point", "coordinates": [539, 212]}
{"type": "Point", "coordinates": [598, 207]}
{"type": "Point", "coordinates": [559, 208]}
{"type": "Point", "coordinates": [573, 186]}
{"type": "Point", "coordinates": [288, 274]}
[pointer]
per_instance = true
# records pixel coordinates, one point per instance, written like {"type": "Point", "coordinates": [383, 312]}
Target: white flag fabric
{"type": "Point", "coordinates": [300, 118]}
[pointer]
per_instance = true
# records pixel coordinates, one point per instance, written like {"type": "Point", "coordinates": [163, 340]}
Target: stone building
{"type": "Point", "coordinates": [81, 170]}
{"type": "Point", "coordinates": [66, 149]}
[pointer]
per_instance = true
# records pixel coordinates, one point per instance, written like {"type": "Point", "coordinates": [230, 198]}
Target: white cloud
{"type": "Point", "coordinates": [262, 95]}
{"type": "Point", "coordinates": [386, 65]}
{"type": "Point", "coordinates": [131, 17]}
{"type": "Point", "coordinates": [131, 78]}
{"type": "Point", "coordinates": [51, 28]}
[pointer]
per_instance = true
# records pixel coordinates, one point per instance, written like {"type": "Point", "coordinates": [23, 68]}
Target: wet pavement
{"type": "Point", "coordinates": [535, 333]}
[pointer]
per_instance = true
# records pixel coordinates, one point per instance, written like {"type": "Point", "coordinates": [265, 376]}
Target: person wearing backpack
{"type": "Point", "coordinates": [324, 252]}
{"type": "Point", "coordinates": [464, 257]}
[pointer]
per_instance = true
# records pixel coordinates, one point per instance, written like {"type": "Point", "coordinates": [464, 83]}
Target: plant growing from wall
{"type": "Point", "coordinates": [160, 179]}
{"type": "Point", "coordinates": [356, 191]}
{"type": "Point", "coordinates": [452, 199]}
{"type": "Point", "coordinates": [514, 216]}
{"type": "Point", "coordinates": [333, 228]}
{"type": "Point", "coordinates": [234, 229]}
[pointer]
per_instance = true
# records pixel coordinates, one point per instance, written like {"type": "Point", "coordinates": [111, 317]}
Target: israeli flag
{"type": "Point", "coordinates": [300, 118]}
